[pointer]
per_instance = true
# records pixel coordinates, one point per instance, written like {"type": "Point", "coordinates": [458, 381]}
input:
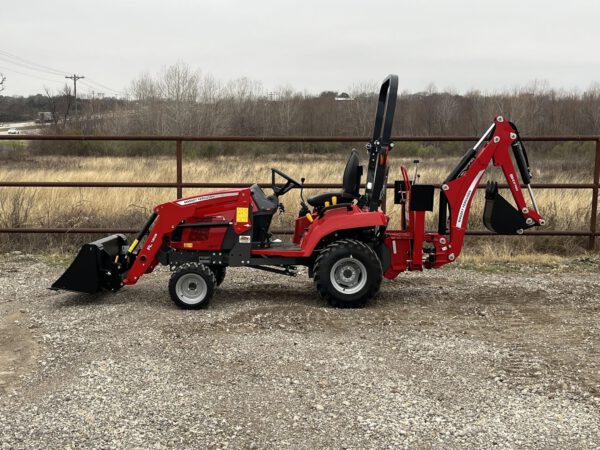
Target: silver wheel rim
{"type": "Point", "coordinates": [191, 288]}
{"type": "Point", "coordinates": [348, 275]}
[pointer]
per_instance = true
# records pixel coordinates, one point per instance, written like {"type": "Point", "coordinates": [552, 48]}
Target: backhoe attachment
{"type": "Point", "coordinates": [458, 189]}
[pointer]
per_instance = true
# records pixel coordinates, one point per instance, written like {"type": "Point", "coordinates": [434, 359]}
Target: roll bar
{"type": "Point", "coordinates": [380, 145]}
{"type": "Point", "coordinates": [386, 107]}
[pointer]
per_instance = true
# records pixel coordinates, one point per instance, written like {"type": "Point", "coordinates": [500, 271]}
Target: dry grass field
{"type": "Point", "coordinates": [110, 207]}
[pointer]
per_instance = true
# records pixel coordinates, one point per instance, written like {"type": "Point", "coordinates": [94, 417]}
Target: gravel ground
{"type": "Point", "coordinates": [490, 356]}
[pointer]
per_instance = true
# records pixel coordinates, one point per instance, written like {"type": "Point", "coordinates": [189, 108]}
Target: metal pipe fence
{"type": "Point", "coordinates": [179, 184]}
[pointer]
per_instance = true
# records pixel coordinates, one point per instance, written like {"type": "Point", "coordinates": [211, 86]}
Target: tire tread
{"type": "Point", "coordinates": [204, 271]}
{"type": "Point", "coordinates": [372, 260]}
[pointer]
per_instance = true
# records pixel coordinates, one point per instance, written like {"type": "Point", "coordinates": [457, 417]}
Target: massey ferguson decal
{"type": "Point", "coordinates": [149, 246]}
{"type": "Point", "coordinates": [204, 198]}
{"type": "Point", "coordinates": [514, 182]}
{"type": "Point", "coordinates": [465, 202]}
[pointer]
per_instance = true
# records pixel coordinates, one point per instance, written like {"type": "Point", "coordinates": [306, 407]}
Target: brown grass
{"type": "Point", "coordinates": [99, 207]}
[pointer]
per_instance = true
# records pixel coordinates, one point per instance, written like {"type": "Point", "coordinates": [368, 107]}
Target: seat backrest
{"type": "Point", "coordinates": [352, 173]}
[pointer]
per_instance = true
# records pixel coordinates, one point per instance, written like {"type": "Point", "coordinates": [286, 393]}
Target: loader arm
{"type": "Point", "coordinates": [459, 187]}
{"type": "Point", "coordinates": [168, 216]}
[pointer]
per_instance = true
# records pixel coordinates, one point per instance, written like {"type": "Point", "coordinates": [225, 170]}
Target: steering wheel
{"type": "Point", "coordinates": [290, 184]}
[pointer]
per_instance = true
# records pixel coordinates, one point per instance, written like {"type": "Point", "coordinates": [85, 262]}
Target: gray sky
{"type": "Point", "coordinates": [309, 45]}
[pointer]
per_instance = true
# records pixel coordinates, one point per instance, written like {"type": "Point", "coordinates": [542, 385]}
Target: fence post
{"type": "Point", "coordinates": [594, 216]}
{"type": "Point", "coordinates": [179, 157]}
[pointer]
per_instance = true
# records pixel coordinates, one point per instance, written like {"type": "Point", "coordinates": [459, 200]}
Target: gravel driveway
{"type": "Point", "coordinates": [505, 357]}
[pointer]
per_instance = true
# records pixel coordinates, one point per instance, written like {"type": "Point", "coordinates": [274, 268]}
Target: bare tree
{"type": "Point", "coordinates": [59, 105]}
{"type": "Point", "coordinates": [179, 87]}
{"type": "Point", "coordinates": [144, 88]}
{"type": "Point", "coordinates": [51, 105]}
{"type": "Point", "coordinates": [2, 80]}
{"type": "Point", "coordinates": [169, 102]}
{"type": "Point", "coordinates": [211, 110]}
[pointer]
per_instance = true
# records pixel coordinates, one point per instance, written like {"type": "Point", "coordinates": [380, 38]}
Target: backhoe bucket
{"type": "Point", "coordinates": [499, 216]}
{"type": "Point", "coordinates": [94, 268]}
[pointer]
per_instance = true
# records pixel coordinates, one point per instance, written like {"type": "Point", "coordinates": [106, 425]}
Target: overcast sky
{"type": "Point", "coordinates": [309, 45]}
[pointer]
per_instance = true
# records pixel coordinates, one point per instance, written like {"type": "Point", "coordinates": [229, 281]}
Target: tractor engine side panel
{"type": "Point", "coordinates": [217, 210]}
{"type": "Point", "coordinates": [202, 238]}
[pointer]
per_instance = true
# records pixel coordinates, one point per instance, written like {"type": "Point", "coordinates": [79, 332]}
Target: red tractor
{"type": "Point", "coordinates": [341, 237]}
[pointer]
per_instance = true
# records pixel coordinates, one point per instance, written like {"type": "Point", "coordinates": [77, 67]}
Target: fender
{"type": "Point", "coordinates": [340, 219]}
{"type": "Point", "coordinates": [332, 221]}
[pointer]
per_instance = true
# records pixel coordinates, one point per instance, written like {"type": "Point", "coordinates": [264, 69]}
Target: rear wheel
{"type": "Point", "coordinates": [192, 286]}
{"type": "Point", "coordinates": [347, 273]}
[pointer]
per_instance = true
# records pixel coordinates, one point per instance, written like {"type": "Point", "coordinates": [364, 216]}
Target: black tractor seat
{"type": "Point", "coordinates": [263, 203]}
{"type": "Point", "coordinates": [261, 219]}
{"type": "Point", "coordinates": [351, 185]}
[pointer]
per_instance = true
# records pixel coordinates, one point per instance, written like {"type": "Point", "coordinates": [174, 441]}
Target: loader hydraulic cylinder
{"type": "Point", "coordinates": [142, 233]}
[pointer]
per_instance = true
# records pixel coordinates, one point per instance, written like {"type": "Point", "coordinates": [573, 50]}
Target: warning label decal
{"type": "Point", "coordinates": [241, 215]}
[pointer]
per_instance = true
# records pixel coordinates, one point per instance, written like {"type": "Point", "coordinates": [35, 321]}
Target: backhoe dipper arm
{"type": "Point", "coordinates": [458, 189]}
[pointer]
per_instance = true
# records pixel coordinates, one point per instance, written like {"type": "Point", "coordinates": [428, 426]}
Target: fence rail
{"type": "Point", "coordinates": [179, 185]}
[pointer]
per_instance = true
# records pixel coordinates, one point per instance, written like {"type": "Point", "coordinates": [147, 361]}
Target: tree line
{"type": "Point", "coordinates": [182, 101]}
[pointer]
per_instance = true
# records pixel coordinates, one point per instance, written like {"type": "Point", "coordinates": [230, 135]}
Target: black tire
{"type": "Point", "coordinates": [220, 272]}
{"type": "Point", "coordinates": [348, 273]}
{"type": "Point", "coordinates": [192, 286]}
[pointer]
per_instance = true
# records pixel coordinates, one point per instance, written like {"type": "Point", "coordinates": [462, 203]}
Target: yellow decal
{"type": "Point", "coordinates": [309, 217]}
{"type": "Point", "coordinates": [188, 244]}
{"type": "Point", "coordinates": [241, 215]}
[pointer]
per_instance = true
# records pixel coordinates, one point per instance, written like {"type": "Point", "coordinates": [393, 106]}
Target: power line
{"type": "Point", "coordinates": [103, 86]}
{"type": "Point", "coordinates": [30, 65]}
{"type": "Point", "coordinates": [95, 87]}
{"type": "Point", "coordinates": [30, 75]}
{"type": "Point", "coordinates": [41, 67]}
{"type": "Point", "coordinates": [75, 77]}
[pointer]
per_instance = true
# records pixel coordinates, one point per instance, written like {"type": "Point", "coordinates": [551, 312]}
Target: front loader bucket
{"type": "Point", "coordinates": [94, 267]}
{"type": "Point", "coordinates": [499, 216]}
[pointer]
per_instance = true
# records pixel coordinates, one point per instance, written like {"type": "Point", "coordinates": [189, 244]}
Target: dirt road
{"type": "Point", "coordinates": [493, 356]}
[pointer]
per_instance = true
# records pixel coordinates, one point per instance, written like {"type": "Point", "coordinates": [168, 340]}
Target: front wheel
{"type": "Point", "coordinates": [192, 286]}
{"type": "Point", "coordinates": [348, 273]}
{"type": "Point", "coordinates": [219, 272]}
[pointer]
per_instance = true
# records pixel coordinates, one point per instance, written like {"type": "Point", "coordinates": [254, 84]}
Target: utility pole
{"type": "Point", "coordinates": [75, 78]}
